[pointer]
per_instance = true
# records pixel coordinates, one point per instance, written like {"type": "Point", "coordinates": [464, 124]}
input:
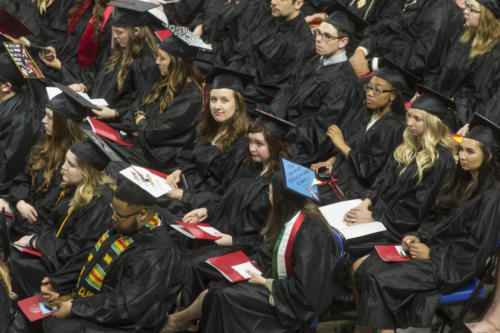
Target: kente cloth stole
{"type": "Point", "coordinates": [282, 252]}
{"type": "Point", "coordinates": [101, 257]}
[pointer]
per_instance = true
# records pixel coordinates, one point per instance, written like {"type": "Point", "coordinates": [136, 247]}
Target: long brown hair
{"type": "Point", "coordinates": [126, 55]}
{"type": "Point", "coordinates": [233, 129]}
{"type": "Point", "coordinates": [5, 280]}
{"type": "Point", "coordinates": [277, 149]}
{"type": "Point", "coordinates": [283, 210]}
{"type": "Point", "coordinates": [49, 154]}
{"type": "Point", "coordinates": [485, 36]}
{"type": "Point", "coordinates": [180, 73]}
{"type": "Point", "coordinates": [97, 11]}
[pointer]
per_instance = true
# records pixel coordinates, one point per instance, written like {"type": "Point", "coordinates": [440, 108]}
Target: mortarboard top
{"type": "Point", "coordinates": [182, 43]}
{"type": "Point", "coordinates": [492, 5]}
{"type": "Point", "coordinates": [225, 78]}
{"type": "Point", "coordinates": [11, 26]}
{"type": "Point", "coordinates": [433, 102]}
{"type": "Point", "coordinates": [9, 71]}
{"type": "Point", "coordinates": [23, 61]}
{"type": "Point", "coordinates": [346, 20]}
{"type": "Point", "coordinates": [279, 127]}
{"type": "Point", "coordinates": [69, 104]}
{"type": "Point", "coordinates": [131, 13]}
{"type": "Point", "coordinates": [128, 191]}
{"type": "Point", "coordinates": [102, 145]}
{"type": "Point", "coordinates": [88, 151]}
{"type": "Point", "coordinates": [397, 76]}
{"type": "Point", "coordinates": [296, 181]}
{"type": "Point", "coordinates": [485, 131]}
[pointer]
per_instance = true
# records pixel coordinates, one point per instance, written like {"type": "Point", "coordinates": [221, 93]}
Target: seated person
{"type": "Point", "coordinates": [141, 273]}
{"type": "Point", "coordinates": [79, 217]}
{"type": "Point", "coordinates": [364, 153]}
{"type": "Point", "coordinates": [7, 298]}
{"type": "Point", "coordinates": [448, 251]}
{"type": "Point", "coordinates": [295, 286]}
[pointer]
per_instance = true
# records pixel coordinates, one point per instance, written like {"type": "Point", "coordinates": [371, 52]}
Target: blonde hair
{"type": "Point", "coordinates": [5, 280]}
{"type": "Point", "coordinates": [89, 186]}
{"type": "Point", "coordinates": [423, 149]}
{"type": "Point", "coordinates": [485, 36]}
{"type": "Point", "coordinates": [43, 4]}
{"type": "Point", "coordinates": [126, 55]}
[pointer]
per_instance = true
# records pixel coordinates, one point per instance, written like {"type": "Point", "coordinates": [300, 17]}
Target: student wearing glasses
{"type": "Point", "coordinates": [324, 93]}
{"type": "Point", "coordinates": [363, 154]}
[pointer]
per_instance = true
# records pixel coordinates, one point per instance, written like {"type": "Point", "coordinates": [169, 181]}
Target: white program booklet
{"type": "Point", "coordinates": [334, 214]}
{"type": "Point", "coordinates": [150, 182]}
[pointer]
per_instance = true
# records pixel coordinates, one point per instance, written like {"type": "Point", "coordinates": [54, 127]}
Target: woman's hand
{"type": "Point", "coordinates": [420, 251]}
{"type": "Point", "coordinates": [359, 63]}
{"type": "Point", "coordinates": [21, 40]}
{"type": "Point", "coordinates": [335, 134]}
{"type": "Point", "coordinates": [317, 17]}
{"type": "Point", "coordinates": [224, 240]}
{"type": "Point", "coordinates": [195, 216]}
{"type": "Point", "coordinates": [175, 194]}
{"type": "Point", "coordinates": [4, 205]}
{"type": "Point", "coordinates": [105, 112]}
{"type": "Point", "coordinates": [174, 178]}
{"type": "Point", "coordinates": [326, 164]}
{"type": "Point", "coordinates": [358, 215]}
{"type": "Point", "coordinates": [256, 278]}
{"type": "Point", "coordinates": [139, 118]}
{"type": "Point", "coordinates": [64, 309]}
{"type": "Point", "coordinates": [50, 59]}
{"type": "Point", "coordinates": [408, 240]}
{"type": "Point", "coordinates": [78, 87]}
{"type": "Point", "coordinates": [198, 31]}
{"type": "Point", "coordinates": [463, 131]}
{"type": "Point", "coordinates": [24, 241]}
{"type": "Point", "coordinates": [27, 211]}
{"type": "Point", "coordinates": [48, 292]}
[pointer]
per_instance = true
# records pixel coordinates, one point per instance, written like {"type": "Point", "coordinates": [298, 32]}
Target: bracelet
{"type": "Point", "coordinates": [117, 114]}
{"type": "Point", "coordinates": [360, 50]}
{"type": "Point", "coordinates": [139, 113]}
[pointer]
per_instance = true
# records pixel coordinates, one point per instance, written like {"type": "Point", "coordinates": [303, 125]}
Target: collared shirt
{"type": "Point", "coordinates": [335, 59]}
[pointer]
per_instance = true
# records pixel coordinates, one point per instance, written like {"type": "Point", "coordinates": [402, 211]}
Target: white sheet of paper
{"type": "Point", "coordinates": [96, 101]}
{"type": "Point", "coordinates": [334, 214]}
{"type": "Point", "coordinates": [210, 230]}
{"type": "Point", "coordinates": [52, 92]}
{"type": "Point", "coordinates": [243, 268]}
{"type": "Point", "coordinates": [149, 182]}
{"type": "Point", "coordinates": [182, 230]}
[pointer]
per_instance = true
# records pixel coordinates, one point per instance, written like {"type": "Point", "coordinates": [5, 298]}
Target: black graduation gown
{"type": "Point", "coordinates": [6, 309]}
{"type": "Point", "coordinates": [137, 293]}
{"type": "Point", "coordinates": [328, 95]}
{"type": "Point", "coordinates": [162, 136]}
{"type": "Point", "coordinates": [418, 40]}
{"type": "Point", "coordinates": [205, 169]}
{"type": "Point", "coordinates": [470, 82]}
{"type": "Point", "coordinates": [245, 307]}
{"type": "Point", "coordinates": [406, 293]}
{"type": "Point", "coordinates": [80, 232]}
{"type": "Point", "coordinates": [20, 129]}
{"type": "Point", "coordinates": [22, 188]}
{"type": "Point", "coordinates": [370, 152]}
{"type": "Point", "coordinates": [402, 205]}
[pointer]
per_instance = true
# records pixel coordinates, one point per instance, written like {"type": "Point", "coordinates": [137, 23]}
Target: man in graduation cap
{"type": "Point", "coordinates": [20, 126]}
{"type": "Point", "coordinates": [327, 93]}
{"type": "Point", "coordinates": [418, 39]}
{"type": "Point", "coordinates": [132, 275]}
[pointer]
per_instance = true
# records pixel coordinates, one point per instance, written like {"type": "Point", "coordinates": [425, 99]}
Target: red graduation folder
{"type": "Point", "coordinates": [158, 173]}
{"type": "Point", "coordinates": [104, 130]}
{"type": "Point", "coordinates": [11, 26]}
{"type": "Point", "coordinates": [195, 230]}
{"type": "Point", "coordinates": [392, 253]}
{"type": "Point", "coordinates": [28, 250]}
{"type": "Point", "coordinates": [233, 266]}
{"type": "Point", "coordinates": [34, 308]}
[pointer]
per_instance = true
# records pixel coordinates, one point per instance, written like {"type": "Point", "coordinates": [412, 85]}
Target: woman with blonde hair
{"type": "Point", "coordinates": [219, 149]}
{"type": "Point", "coordinates": [34, 191]}
{"type": "Point", "coordinates": [7, 297]}
{"type": "Point", "coordinates": [471, 72]}
{"type": "Point", "coordinates": [82, 213]}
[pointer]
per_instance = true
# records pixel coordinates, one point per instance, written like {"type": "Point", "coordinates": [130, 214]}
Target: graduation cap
{"type": "Point", "coordinates": [88, 151]}
{"type": "Point", "coordinates": [433, 102]}
{"type": "Point", "coordinates": [491, 5]}
{"type": "Point", "coordinates": [23, 61]}
{"type": "Point", "coordinates": [182, 43]}
{"type": "Point", "coordinates": [279, 127]}
{"type": "Point", "coordinates": [131, 13]}
{"type": "Point", "coordinates": [485, 131]}
{"type": "Point", "coordinates": [295, 182]}
{"type": "Point", "coordinates": [346, 20]}
{"type": "Point", "coordinates": [102, 145]}
{"type": "Point", "coordinates": [225, 78]}
{"type": "Point", "coordinates": [11, 26]}
{"type": "Point", "coordinates": [70, 104]}
{"type": "Point", "coordinates": [9, 71]}
{"type": "Point", "coordinates": [400, 78]}
{"type": "Point", "coordinates": [128, 191]}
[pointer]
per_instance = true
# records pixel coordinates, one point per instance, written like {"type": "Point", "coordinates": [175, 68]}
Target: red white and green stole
{"type": "Point", "coordinates": [282, 252]}
{"type": "Point", "coordinates": [99, 261]}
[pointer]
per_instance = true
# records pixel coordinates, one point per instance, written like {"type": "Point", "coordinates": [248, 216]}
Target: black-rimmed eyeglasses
{"type": "Point", "coordinates": [376, 90]}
